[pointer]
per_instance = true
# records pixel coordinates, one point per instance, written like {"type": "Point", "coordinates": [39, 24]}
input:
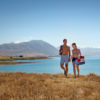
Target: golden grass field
{"type": "Point", "coordinates": [23, 86]}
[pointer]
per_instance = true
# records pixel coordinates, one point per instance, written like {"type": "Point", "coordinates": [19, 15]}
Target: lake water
{"type": "Point", "coordinates": [52, 66]}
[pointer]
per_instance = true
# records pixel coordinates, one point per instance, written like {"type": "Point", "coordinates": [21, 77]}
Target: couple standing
{"type": "Point", "coordinates": [66, 57]}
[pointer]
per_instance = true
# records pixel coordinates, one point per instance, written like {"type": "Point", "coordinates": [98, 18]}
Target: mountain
{"type": "Point", "coordinates": [38, 48]}
{"type": "Point", "coordinates": [90, 51]}
{"type": "Point", "coordinates": [31, 48]}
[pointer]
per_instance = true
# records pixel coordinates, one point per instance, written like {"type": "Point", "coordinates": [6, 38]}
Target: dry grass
{"type": "Point", "coordinates": [22, 86]}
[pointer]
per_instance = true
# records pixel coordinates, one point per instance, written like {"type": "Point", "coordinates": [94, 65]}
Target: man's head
{"type": "Point", "coordinates": [65, 41]}
{"type": "Point", "coordinates": [74, 45]}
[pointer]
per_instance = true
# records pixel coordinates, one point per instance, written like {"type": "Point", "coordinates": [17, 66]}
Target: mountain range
{"type": "Point", "coordinates": [90, 51]}
{"type": "Point", "coordinates": [31, 48]}
{"type": "Point", "coordinates": [38, 48]}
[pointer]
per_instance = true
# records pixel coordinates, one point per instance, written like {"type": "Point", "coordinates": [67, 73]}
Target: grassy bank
{"type": "Point", "coordinates": [14, 63]}
{"type": "Point", "coordinates": [20, 58]}
{"type": "Point", "coordinates": [22, 86]}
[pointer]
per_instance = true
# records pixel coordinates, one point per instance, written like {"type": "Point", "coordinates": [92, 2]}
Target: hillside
{"type": "Point", "coordinates": [22, 86]}
{"type": "Point", "coordinates": [31, 48]}
{"type": "Point", "coordinates": [91, 51]}
{"type": "Point", "coordinates": [88, 51]}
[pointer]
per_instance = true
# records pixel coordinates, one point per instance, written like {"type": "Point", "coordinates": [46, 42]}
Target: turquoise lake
{"type": "Point", "coordinates": [53, 66]}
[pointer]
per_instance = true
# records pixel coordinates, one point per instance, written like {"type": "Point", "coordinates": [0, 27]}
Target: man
{"type": "Point", "coordinates": [65, 56]}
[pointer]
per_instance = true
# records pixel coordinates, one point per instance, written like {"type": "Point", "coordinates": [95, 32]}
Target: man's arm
{"type": "Point", "coordinates": [60, 50]}
{"type": "Point", "coordinates": [72, 54]}
{"type": "Point", "coordinates": [69, 54]}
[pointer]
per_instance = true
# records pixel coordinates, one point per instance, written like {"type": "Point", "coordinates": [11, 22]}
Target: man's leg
{"type": "Point", "coordinates": [62, 66]}
{"type": "Point", "coordinates": [74, 70]}
{"type": "Point", "coordinates": [78, 70]}
{"type": "Point", "coordinates": [66, 69]}
{"type": "Point", "coordinates": [62, 63]}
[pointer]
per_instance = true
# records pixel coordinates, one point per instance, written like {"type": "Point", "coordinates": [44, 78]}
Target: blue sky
{"type": "Point", "coordinates": [51, 21]}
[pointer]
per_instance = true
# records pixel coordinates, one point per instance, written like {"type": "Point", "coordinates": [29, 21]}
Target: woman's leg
{"type": "Point", "coordinates": [74, 70]}
{"type": "Point", "coordinates": [78, 70]}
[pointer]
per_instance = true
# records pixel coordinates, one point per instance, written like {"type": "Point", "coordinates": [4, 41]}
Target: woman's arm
{"type": "Point", "coordinates": [80, 52]}
{"type": "Point", "coordinates": [72, 55]}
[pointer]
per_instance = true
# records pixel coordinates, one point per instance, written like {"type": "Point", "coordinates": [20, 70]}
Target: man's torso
{"type": "Point", "coordinates": [65, 50]}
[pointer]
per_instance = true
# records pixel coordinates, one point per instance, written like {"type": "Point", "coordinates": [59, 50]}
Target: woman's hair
{"type": "Point", "coordinates": [74, 44]}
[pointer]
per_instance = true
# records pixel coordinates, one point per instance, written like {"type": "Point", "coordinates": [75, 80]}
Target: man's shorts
{"type": "Point", "coordinates": [64, 59]}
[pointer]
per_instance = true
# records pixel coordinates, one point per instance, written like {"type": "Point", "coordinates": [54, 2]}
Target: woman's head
{"type": "Point", "coordinates": [74, 45]}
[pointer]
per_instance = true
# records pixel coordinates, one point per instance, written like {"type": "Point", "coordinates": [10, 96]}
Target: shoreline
{"type": "Point", "coordinates": [70, 74]}
{"type": "Point", "coordinates": [4, 60]}
{"type": "Point", "coordinates": [10, 59]}
{"type": "Point", "coordinates": [21, 58]}
{"type": "Point", "coordinates": [15, 63]}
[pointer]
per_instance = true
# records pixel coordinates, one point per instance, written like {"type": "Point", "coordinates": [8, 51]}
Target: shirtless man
{"type": "Point", "coordinates": [65, 56]}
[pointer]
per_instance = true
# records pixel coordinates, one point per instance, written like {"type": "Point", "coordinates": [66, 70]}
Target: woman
{"type": "Point", "coordinates": [75, 54]}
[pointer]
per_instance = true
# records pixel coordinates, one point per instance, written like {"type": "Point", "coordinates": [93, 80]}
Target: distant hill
{"type": "Point", "coordinates": [31, 48]}
{"type": "Point", "coordinates": [38, 48]}
{"type": "Point", "coordinates": [90, 51]}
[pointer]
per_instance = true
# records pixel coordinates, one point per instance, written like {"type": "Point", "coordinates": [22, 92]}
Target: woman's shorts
{"type": "Point", "coordinates": [74, 59]}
